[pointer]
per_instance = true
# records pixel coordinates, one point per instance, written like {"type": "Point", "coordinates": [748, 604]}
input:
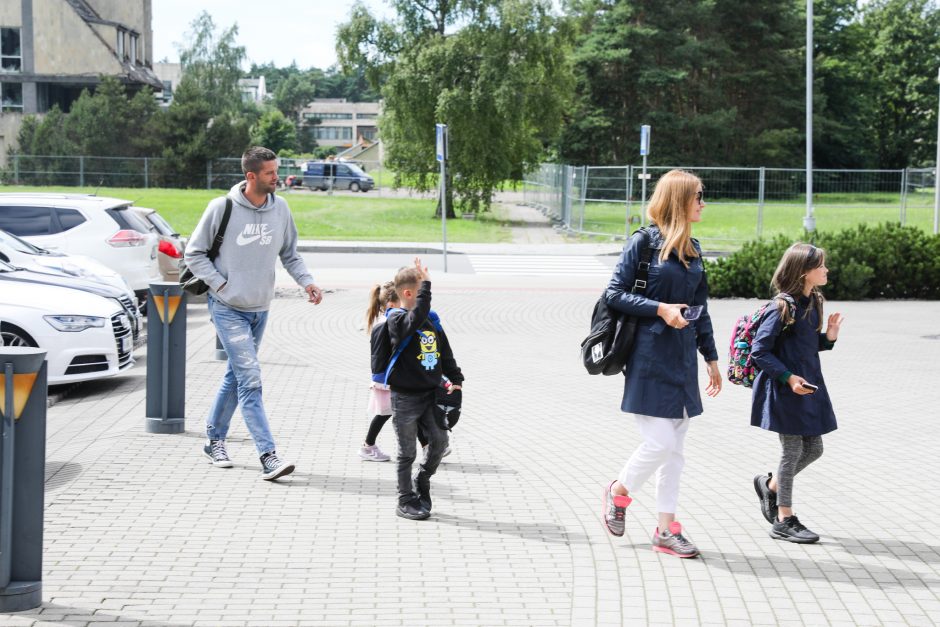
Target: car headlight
{"type": "Point", "coordinates": [74, 324]}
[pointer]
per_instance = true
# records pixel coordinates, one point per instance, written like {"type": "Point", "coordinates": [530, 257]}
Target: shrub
{"type": "Point", "coordinates": [883, 261]}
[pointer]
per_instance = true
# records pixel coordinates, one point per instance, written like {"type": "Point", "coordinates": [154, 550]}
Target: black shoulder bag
{"type": "Point", "coordinates": [607, 348]}
{"type": "Point", "coordinates": [190, 282]}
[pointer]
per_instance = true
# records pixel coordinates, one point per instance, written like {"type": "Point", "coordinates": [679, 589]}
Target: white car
{"type": "Point", "coordinates": [85, 336]}
{"type": "Point", "coordinates": [18, 252]}
{"type": "Point", "coordinates": [104, 229]}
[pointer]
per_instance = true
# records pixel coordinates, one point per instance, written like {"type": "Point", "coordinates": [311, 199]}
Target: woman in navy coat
{"type": "Point", "coordinates": [789, 394]}
{"type": "Point", "coordinates": [661, 378]}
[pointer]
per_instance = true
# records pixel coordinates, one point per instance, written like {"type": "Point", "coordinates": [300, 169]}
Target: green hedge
{"type": "Point", "coordinates": [884, 261]}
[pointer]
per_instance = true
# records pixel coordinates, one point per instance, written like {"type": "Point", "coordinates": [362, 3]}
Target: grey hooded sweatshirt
{"type": "Point", "coordinates": [254, 239]}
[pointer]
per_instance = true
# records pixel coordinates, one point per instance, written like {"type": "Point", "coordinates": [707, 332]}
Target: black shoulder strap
{"type": "Point", "coordinates": [220, 234]}
{"type": "Point", "coordinates": [643, 267]}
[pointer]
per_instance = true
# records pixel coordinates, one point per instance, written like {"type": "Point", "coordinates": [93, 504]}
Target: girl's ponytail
{"type": "Point", "coordinates": [375, 306]}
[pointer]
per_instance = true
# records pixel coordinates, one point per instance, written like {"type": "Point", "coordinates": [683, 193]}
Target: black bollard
{"type": "Point", "coordinates": [166, 358]}
{"type": "Point", "coordinates": [22, 476]}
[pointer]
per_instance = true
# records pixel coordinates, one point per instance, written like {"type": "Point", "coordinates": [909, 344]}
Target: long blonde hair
{"type": "Point", "coordinates": [669, 210]}
{"type": "Point", "coordinates": [790, 277]}
{"type": "Point", "coordinates": [379, 298]}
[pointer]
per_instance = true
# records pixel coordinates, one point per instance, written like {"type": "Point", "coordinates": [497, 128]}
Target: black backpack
{"type": "Point", "coordinates": [608, 346]}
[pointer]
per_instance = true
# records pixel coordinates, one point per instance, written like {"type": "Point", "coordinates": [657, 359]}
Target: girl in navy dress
{"type": "Point", "coordinates": [789, 394]}
{"type": "Point", "coordinates": [661, 387]}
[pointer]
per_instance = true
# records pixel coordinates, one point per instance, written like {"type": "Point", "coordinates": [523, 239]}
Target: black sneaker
{"type": "Point", "coordinates": [792, 530]}
{"type": "Point", "coordinates": [422, 487]}
{"type": "Point", "coordinates": [273, 467]}
{"type": "Point", "coordinates": [412, 511]}
{"type": "Point", "coordinates": [767, 497]}
{"type": "Point", "coordinates": [215, 450]}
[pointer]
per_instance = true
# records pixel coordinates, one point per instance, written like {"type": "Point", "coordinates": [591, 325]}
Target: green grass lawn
{"type": "Point", "coordinates": [366, 217]}
{"type": "Point", "coordinates": [726, 224]}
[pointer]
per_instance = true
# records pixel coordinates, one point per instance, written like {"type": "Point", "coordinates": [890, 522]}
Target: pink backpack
{"type": "Point", "coordinates": [741, 369]}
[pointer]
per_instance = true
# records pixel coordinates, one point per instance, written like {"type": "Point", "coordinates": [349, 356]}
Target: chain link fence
{"type": "Point", "coordinates": [146, 172]}
{"type": "Point", "coordinates": [741, 203]}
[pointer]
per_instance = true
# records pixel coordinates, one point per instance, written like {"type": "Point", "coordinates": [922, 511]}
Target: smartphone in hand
{"type": "Point", "coordinates": [809, 386]}
{"type": "Point", "coordinates": [692, 312]}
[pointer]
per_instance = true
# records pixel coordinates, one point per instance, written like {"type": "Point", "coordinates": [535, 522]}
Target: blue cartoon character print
{"type": "Point", "coordinates": [429, 355]}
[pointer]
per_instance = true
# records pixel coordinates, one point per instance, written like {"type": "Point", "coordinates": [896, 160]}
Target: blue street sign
{"type": "Point", "coordinates": [441, 142]}
{"type": "Point", "coordinates": [644, 140]}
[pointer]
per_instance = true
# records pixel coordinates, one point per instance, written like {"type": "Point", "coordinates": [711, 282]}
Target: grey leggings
{"type": "Point", "coordinates": [799, 451]}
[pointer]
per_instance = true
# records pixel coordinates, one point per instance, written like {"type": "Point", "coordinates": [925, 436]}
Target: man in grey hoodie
{"type": "Point", "coordinates": [241, 287]}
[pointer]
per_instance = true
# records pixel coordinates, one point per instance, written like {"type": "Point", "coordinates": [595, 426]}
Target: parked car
{"type": "Point", "coordinates": [324, 175]}
{"type": "Point", "coordinates": [104, 229]}
{"type": "Point", "coordinates": [50, 277]}
{"type": "Point", "coordinates": [85, 336]}
{"type": "Point", "coordinates": [20, 253]}
{"type": "Point", "coordinates": [172, 244]}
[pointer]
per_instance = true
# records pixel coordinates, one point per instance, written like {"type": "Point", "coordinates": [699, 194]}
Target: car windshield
{"type": "Point", "coordinates": [355, 169]}
{"type": "Point", "coordinates": [19, 245]}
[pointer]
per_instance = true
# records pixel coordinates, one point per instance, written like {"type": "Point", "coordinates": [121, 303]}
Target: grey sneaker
{"type": "Point", "coordinates": [615, 507]}
{"type": "Point", "coordinates": [215, 450]}
{"type": "Point", "coordinates": [273, 467]}
{"type": "Point", "coordinates": [792, 530]}
{"type": "Point", "coordinates": [672, 542]}
{"type": "Point", "coordinates": [373, 454]}
{"type": "Point", "coordinates": [767, 497]}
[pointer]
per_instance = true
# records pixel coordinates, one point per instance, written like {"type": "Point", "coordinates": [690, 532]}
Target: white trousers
{"type": "Point", "coordinates": [660, 452]}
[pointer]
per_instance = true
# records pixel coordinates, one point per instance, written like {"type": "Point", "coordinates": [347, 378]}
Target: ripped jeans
{"type": "Point", "coordinates": [240, 333]}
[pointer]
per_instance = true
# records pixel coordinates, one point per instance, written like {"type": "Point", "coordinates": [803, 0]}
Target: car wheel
{"type": "Point", "coordinates": [11, 335]}
{"type": "Point", "coordinates": [354, 186]}
{"type": "Point", "coordinates": [322, 189]}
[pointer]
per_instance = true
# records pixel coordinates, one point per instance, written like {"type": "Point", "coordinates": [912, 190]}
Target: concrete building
{"type": "Point", "coordinates": [340, 123]}
{"type": "Point", "coordinates": [253, 89]}
{"type": "Point", "coordinates": [169, 75]}
{"type": "Point", "coordinates": [50, 50]}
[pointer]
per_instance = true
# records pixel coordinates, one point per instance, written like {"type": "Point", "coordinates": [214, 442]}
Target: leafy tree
{"type": "Point", "coordinates": [718, 81]}
{"type": "Point", "coordinates": [109, 123]}
{"type": "Point", "coordinates": [193, 133]}
{"type": "Point", "coordinates": [293, 93]}
{"type": "Point", "coordinates": [902, 63]}
{"type": "Point", "coordinates": [499, 80]}
{"type": "Point", "coordinates": [274, 131]}
{"type": "Point", "coordinates": [213, 63]}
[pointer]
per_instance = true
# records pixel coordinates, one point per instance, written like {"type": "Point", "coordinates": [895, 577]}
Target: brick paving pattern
{"type": "Point", "coordinates": [141, 530]}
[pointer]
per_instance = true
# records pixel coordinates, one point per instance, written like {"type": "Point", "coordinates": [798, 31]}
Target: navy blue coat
{"type": "Point", "coordinates": [774, 406]}
{"type": "Point", "coordinates": [661, 378]}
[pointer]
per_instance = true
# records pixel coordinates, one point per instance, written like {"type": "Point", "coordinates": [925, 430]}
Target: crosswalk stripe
{"type": "Point", "coordinates": [538, 265]}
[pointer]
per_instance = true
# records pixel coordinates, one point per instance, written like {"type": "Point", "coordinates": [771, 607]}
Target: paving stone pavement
{"type": "Point", "coordinates": [141, 530]}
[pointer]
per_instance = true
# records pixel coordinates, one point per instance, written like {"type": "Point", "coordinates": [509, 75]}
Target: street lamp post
{"type": "Point", "coordinates": [809, 221]}
{"type": "Point", "coordinates": [936, 178]}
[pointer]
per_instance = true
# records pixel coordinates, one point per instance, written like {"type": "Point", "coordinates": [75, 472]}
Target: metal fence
{"type": "Point", "coordinates": [146, 172]}
{"type": "Point", "coordinates": [741, 203]}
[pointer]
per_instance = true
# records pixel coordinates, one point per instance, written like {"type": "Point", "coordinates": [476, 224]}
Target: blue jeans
{"type": "Point", "coordinates": [240, 333]}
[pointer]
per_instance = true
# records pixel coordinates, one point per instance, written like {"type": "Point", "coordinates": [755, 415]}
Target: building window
{"type": "Point", "coordinates": [11, 97]}
{"type": "Point", "coordinates": [366, 116]}
{"type": "Point", "coordinates": [133, 48]}
{"type": "Point", "coordinates": [330, 116]}
{"type": "Point", "coordinates": [11, 57]}
{"type": "Point", "coordinates": [368, 133]}
{"type": "Point", "coordinates": [332, 132]}
{"type": "Point", "coordinates": [120, 44]}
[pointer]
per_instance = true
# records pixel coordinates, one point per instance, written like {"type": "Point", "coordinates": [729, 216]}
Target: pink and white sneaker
{"type": "Point", "coordinates": [615, 507]}
{"type": "Point", "coordinates": [672, 542]}
{"type": "Point", "coordinates": [373, 454]}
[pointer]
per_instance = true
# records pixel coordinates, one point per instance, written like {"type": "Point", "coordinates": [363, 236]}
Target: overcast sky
{"type": "Point", "coordinates": [283, 31]}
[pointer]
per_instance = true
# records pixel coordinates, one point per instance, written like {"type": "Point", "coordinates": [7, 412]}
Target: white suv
{"type": "Point", "coordinates": [105, 229]}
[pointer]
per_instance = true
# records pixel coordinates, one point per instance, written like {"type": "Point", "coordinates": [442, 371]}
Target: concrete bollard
{"type": "Point", "coordinates": [166, 358]}
{"type": "Point", "coordinates": [22, 476]}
